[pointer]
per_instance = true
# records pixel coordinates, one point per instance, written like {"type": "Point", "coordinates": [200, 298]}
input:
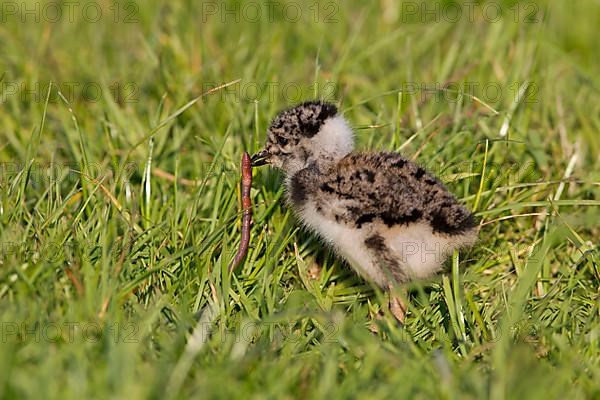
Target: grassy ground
{"type": "Point", "coordinates": [105, 258]}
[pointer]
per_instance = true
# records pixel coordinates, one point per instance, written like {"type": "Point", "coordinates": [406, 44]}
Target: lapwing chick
{"type": "Point", "coordinates": [389, 218]}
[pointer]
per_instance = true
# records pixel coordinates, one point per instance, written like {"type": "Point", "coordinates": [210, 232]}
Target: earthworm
{"type": "Point", "coordinates": [246, 212]}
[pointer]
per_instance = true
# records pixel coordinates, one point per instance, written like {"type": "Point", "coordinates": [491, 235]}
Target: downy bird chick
{"type": "Point", "coordinates": [389, 218]}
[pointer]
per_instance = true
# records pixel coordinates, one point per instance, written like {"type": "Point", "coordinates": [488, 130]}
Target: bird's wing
{"type": "Point", "coordinates": [386, 187]}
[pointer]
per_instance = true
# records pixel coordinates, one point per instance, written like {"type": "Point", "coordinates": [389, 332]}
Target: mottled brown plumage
{"type": "Point", "coordinates": [383, 187]}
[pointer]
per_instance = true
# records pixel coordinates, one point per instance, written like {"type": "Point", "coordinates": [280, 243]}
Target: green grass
{"type": "Point", "coordinates": [103, 263]}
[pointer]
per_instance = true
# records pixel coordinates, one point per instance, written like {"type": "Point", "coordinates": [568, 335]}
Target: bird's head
{"type": "Point", "coordinates": [311, 132]}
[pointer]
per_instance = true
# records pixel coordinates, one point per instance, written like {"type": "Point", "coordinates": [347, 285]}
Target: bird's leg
{"type": "Point", "coordinates": [398, 307]}
{"type": "Point", "coordinates": [392, 268]}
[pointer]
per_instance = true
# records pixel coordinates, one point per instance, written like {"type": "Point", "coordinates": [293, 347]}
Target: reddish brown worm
{"type": "Point", "coordinates": [246, 212]}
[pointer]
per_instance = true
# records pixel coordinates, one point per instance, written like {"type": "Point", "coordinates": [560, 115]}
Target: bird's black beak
{"type": "Point", "coordinates": [260, 158]}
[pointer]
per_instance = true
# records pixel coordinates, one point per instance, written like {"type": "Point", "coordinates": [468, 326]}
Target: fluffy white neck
{"type": "Point", "coordinates": [334, 140]}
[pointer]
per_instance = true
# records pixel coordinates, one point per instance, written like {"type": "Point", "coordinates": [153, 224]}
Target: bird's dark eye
{"type": "Point", "coordinates": [282, 141]}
